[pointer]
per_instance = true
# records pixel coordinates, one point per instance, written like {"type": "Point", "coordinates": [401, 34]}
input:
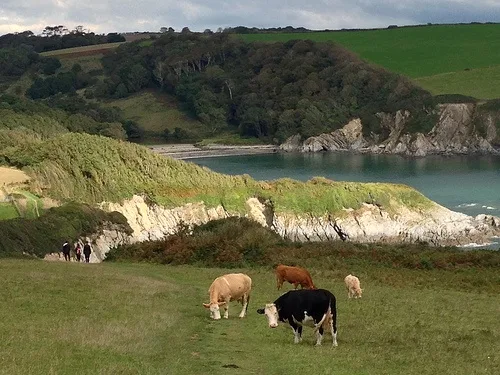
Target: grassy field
{"type": "Point", "coordinates": [82, 51]}
{"type": "Point", "coordinates": [155, 112]}
{"type": "Point", "coordinates": [424, 52]}
{"type": "Point", "coordinates": [69, 318]}
{"type": "Point", "coordinates": [482, 83]}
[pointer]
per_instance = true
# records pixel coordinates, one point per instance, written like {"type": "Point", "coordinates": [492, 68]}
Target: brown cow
{"type": "Point", "coordinates": [294, 275]}
{"type": "Point", "coordinates": [226, 288]}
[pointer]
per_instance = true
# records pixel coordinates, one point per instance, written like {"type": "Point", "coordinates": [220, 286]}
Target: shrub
{"type": "Point", "coordinates": [44, 235]}
{"type": "Point", "coordinates": [239, 242]}
{"type": "Point", "coordinates": [232, 242]}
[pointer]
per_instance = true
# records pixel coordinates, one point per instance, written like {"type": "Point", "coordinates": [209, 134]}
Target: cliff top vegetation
{"type": "Point", "coordinates": [92, 169]}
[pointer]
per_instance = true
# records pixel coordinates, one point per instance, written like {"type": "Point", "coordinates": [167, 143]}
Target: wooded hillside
{"type": "Point", "coordinates": [267, 90]}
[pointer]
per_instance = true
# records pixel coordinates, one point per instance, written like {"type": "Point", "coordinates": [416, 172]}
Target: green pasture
{"type": "Point", "coordinates": [68, 318]}
{"type": "Point", "coordinates": [83, 49]}
{"type": "Point", "coordinates": [424, 53]}
{"type": "Point", "coordinates": [8, 211]}
{"type": "Point", "coordinates": [26, 205]}
{"type": "Point", "coordinates": [481, 83]}
{"type": "Point", "coordinates": [155, 112]}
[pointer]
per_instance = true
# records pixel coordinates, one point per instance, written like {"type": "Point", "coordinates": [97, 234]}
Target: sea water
{"type": "Point", "coordinates": [467, 184]}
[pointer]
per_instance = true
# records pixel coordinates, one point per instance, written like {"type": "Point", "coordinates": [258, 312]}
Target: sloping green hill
{"type": "Point", "coordinates": [92, 169]}
{"type": "Point", "coordinates": [427, 51]}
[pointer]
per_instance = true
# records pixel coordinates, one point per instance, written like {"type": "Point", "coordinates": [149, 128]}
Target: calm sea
{"type": "Point", "coordinates": [468, 184]}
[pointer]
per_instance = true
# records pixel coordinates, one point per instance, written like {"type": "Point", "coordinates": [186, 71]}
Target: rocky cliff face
{"type": "Point", "coordinates": [438, 226]}
{"type": "Point", "coordinates": [454, 133]}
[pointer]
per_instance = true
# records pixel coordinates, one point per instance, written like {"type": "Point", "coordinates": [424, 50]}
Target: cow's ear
{"type": "Point", "coordinates": [221, 303]}
{"type": "Point", "coordinates": [207, 305]}
{"type": "Point", "coordinates": [260, 311]}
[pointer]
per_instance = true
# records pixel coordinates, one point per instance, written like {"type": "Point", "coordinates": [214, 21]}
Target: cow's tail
{"type": "Point", "coordinates": [324, 320]}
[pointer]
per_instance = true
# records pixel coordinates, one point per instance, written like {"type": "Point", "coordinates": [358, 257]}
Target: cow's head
{"type": "Point", "coordinates": [214, 309]}
{"type": "Point", "coordinates": [272, 314]}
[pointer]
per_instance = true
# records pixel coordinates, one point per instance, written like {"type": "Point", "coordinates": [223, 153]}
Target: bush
{"type": "Point", "coordinates": [239, 242]}
{"type": "Point", "coordinates": [44, 235]}
{"type": "Point", "coordinates": [232, 242]}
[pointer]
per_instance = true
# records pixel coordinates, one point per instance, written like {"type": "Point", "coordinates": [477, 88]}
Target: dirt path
{"type": "Point", "coordinates": [12, 176]}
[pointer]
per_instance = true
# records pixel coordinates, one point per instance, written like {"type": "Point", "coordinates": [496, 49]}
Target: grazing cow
{"type": "Point", "coordinates": [294, 275]}
{"type": "Point", "coordinates": [226, 288]}
{"type": "Point", "coordinates": [316, 308]}
{"type": "Point", "coordinates": [352, 286]}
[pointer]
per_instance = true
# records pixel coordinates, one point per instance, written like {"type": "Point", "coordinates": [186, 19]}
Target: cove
{"type": "Point", "coordinates": [468, 184]}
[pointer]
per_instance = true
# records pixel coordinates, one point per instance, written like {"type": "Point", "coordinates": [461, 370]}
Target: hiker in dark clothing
{"type": "Point", "coordinates": [78, 251]}
{"type": "Point", "coordinates": [86, 251]}
{"type": "Point", "coordinates": [65, 249]}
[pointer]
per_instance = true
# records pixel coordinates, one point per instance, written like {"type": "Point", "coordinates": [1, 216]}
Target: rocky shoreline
{"type": "Point", "coordinates": [191, 151]}
{"type": "Point", "coordinates": [456, 133]}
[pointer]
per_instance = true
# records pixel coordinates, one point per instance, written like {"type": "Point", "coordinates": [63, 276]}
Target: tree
{"type": "Point", "coordinates": [50, 31]}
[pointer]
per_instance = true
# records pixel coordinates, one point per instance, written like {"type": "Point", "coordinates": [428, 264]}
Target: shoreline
{"type": "Point", "coordinates": [191, 151]}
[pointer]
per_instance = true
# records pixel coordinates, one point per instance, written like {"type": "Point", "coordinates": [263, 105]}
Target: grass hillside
{"type": "Point", "coordinates": [96, 49]}
{"type": "Point", "coordinates": [69, 318]}
{"type": "Point", "coordinates": [156, 114]}
{"type": "Point", "coordinates": [465, 53]}
{"type": "Point", "coordinates": [92, 169]}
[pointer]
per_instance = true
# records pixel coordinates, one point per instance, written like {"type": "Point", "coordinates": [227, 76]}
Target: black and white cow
{"type": "Point", "coordinates": [312, 307]}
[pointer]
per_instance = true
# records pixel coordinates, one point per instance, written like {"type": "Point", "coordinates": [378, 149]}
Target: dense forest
{"type": "Point", "coordinates": [266, 90]}
{"type": "Point", "coordinates": [57, 37]}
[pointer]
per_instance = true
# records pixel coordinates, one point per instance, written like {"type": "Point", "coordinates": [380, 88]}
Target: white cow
{"type": "Point", "coordinates": [353, 287]}
{"type": "Point", "coordinates": [226, 288]}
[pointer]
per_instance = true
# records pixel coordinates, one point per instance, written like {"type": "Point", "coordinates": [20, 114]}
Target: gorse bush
{"type": "Point", "coordinates": [19, 237]}
{"type": "Point", "coordinates": [240, 242]}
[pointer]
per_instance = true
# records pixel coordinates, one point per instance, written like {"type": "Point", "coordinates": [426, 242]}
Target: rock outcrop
{"type": "Point", "coordinates": [454, 133]}
{"type": "Point", "coordinates": [437, 226]}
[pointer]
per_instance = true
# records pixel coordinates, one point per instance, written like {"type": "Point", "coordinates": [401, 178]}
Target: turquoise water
{"type": "Point", "coordinates": [468, 184]}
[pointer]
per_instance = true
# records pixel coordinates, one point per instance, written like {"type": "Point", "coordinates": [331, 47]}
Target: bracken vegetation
{"type": "Point", "coordinates": [240, 242]}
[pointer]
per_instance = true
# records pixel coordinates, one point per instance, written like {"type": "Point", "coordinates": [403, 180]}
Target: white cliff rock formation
{"type": "Point", "coordinates": [438, 226]}
{"type": "Point", "coordinates": [454, 133]}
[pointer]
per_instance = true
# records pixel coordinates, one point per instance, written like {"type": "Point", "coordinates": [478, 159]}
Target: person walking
{"type": "Point", "coordinates": [87, 250]}
{"type": "Point", "coordinates": [65, 250]}
{"type": "Point", "coordinates": [78, 251]}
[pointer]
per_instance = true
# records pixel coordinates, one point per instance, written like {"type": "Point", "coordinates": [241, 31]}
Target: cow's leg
{"type": "Point", "coordinates": [296, 331]}
{"type": "Point", "coordinates": [279, 281]}
{"type": "Point", "coordinates": [319, 335]}
{"type": "Point", "coordinates": [226, 309]}
{"type": "Point", "coordinates": [300, 333]}
{"type": "Point", "coordinates": [244, 302]}
{"type": "Point", "coordinates": [333, 326]}
{"type": "Point", "coordinates": [295, 285]}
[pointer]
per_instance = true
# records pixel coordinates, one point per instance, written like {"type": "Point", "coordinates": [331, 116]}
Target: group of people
{"type": "Point", "coordinates": [87, 250]}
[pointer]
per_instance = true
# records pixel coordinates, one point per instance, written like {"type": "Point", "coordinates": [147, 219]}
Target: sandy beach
{"type": "Point", "coordinates": [190, 151]}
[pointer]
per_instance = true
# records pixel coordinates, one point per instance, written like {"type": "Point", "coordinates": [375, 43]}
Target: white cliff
{"type": "Point", "coordinates": [437, 226]}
